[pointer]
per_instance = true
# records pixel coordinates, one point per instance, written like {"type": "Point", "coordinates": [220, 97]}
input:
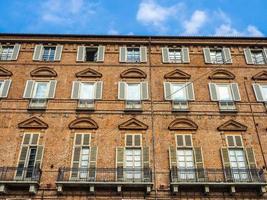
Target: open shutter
{"type": "Point", "coordinates": [92, 164]}
{"type": "Point", "coordinates": [167, 91]}
{"type": "Point", "coordinates": [75, 162]}
{"type": "Point", "coordinates": [226, 164]}
{"type": "Point", "coordinates": [15, 52]}
{"type": "Point", "coordinates": [265, 54]}
{"type": "Point", "coordinates": [257, 91]}
{"type": "Point", "coordinates": [213, 92]}
{"type": "Point", "coordinates": [58, 52]}
{"type": "Point", "coordinates": [101, 54]}
{"type": "Point", "coordinates": [235, 92]}
{"type": "Point", "coordinates": [252, 163]}
{"type": "Point", "coordinates": [143, 54]}
{"type": "Point", "coordinates": [98, 89]}
{"type": "Point", "coordinates": [248, 56]}
{"type": "Point", "coordinates": [123, 54]}
{"type": "Point", "coordinates": [199, 163]}
{"type": "Point", "coordinates": [144, 90]}
{"type": "Point", "coordinates": [52, 89]}
{"type": "Point", "coordinates": [21, 163]}
{"type": "Point", "coordinates": [185, 55]}
{"type": "Point", "coordinates": [147, 174]}
{"type": "Point", "coordinates": [190, 96]}
{"type": "Point", "coordinates": [80, 54]}
{"type": "Point", "coordinates": [6, 87]}
{"type": "Point", "coordinates": [1, 49]}
{"type": "Point", "coordinates": [119, 163]}
{"type": "Point", "coordinates": [207, 57]}
{"type": "Point", "coordinates": [28, 89]}
{"type": "Point", "coordinates": [173, 164]}
{"type": "Point", "coordinates": [38, 51]}
{"type": "Point", "coordinates": [39, 156]}
{"type": "Point", "coordinates": [165, 55]}
{"type": "Point", "coordinates": [121, 90]}
{"type": "Point", "coordinates": [227, 55]}
{"type": "Point", "coordinates": [75, 90]}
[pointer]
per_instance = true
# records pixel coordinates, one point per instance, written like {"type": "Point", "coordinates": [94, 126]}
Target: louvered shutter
{"type": "Point", "coordinates": [252, 163]}
{"type": "Point", "coordinates": [213, 92]}
{"type": "Point", "coordinates": [5, 89]}
{"type": "Point", "coordinates": [199, 163]}
{"type": "Point", "coordinates": [207, 57]}
{"type": "Point", "coordinates": [119, 163]}
{"type": "Point", "coordinates": [165, 55]}
{"type": "Point", "coordinates": [144, 90]}
{"type": "Point", "coordinates": [38, 161]}
{"type": "Point", "coordinates": [98, 89]}
{"type": "Point", "coordinates": [101, 54]}
{"type": "Point", "coordinates": [265, 54]}
{"type": "Point", "coordinates": [143, 54]}
{"type": "Point", "coordinates": [185, 55]}
{"type": "Point", "coordinates": [121, 90]}
{"type": "Point", "coordinates": [38, 51]}
{"type": "Point", "coordinates": [15, 52]}
{"type": "Point", "coordinates": [145, 156]}
{"type": "Point", "coordinates": [21, 163]}
{"type": "Point", "coordinates": [123, 54]}
{"type": "Point", "coordinates": [58, 52]}
{"type": "Point", "coordinates": [235, 92]}
{"type": "Point", "coordinates": [75, 90]}
{"type": "Point", "coordinates": [188, 140]}
{"type": "Point", "coordinates": [92, 164]}
{"type": "Point", "coordinates": [52, 89]}
{"type": "Point", "coordinates": [248, 56]}
{"type": "Point", "coordinates": [190, 96]}
{"type": "Point", "coordinates": [80, 54]}
{"type": "Point", "coordinates": [226, 164]}
{"type": "Point", "coordinates": [28, 89]}
{"type": "Point", "coordinates": [258, 93]}
{"type": "Point", "coordinates": [227, 55]}
{"type": "Point", "coordinates": [167, 91]}
{"type": "Point", "coordinates": [75, 162]}
{"type": "Point", "coordinates": [173, 164]}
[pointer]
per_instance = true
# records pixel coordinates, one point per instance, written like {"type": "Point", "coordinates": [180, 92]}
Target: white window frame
{"type": "Point", "coordinates": [132, 135]}
{"type": "Point", "coordinates": [87, 82]}
{"type": "Point", "coordinates": [184, 143]}
{"type": "Point", "coordinates": [49, 54]}
{"type": "Point", "coordinates": [9, 54]}
{"type": "Point", "coordinates": [186, 173]}
{"type": "Point", "coordinates": [261, 89]}
{"type": "Point", "coordinates": [229, 90]}
{"type": "Point", "coordinates": [128, 50]}
{"type": "Point", "coordinates": [35, 89]}
{"type": "Point", "coordinates": [30, 142]}
{"type": "Point", "coordinates": [132, 83]}
{"type": "Point", "coordinates": [254, 59]}
{"type": "Point", "coordinates": [216, 51]}
{"type": "Point", "coordinates": [235, 145]}
{"type": "Point", "coordinates": [133, 167]}
{"type": "Point", "coordinates": [175, 50]}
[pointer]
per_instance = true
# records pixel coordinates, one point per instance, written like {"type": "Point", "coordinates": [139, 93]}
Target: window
{"type": "Point", "coordinates": [178, 92]}
{"type": "Point", "coordinates": [87, 90]}
{"type": "Point", "coordinates": [1, 86]}
{"type": "Point", "coordinates": [49, 54]}
{"type": "Point", "coordinates": [41, 90]}
{"type": "Point", "coordinates": [264, 92]}
{"type": "Point", "coordinates": [175, 55]}
{"type": "Point", "coordinates": [238, 164]}
{"type": "Point", "coordinates": [258, 57]}
{"type": "Point", "coordinates": [133, 55]}
{"type": "Point", "coordinates": [91, 54]}
{"type": "Point", "coordinates": [133, 164]}
{"type": "Point", "coordinates": [224, 92]}
{"type": "Point", "coordinates": [216, 56]}
{"type": "Point", "coordinates": [185, 164]}
{"type": "Point", "coordinates": [260, 91]}
{"type": "Point", "coordinates": [6, 53]}
{"type": "Point", "coordinates": [133, 91]}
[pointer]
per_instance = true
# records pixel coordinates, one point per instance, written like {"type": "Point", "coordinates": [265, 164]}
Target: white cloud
{"type": "Point", "coordinates": [113, 32]}
{"type": "Point", "coordinates": [228, 30]}
{"type": "Point", "coordinates": [254, 31]}
{"type": "Point", "coordinates": [196, 22]}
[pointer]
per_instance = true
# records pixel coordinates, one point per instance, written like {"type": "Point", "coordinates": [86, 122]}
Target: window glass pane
{"type": "Point", "coordinates": [7, 52]}
{"type": "Point", "coordinates": [216, 56]}
{"type": "Point", "coordinates": [175, 55]}
{"type": "Point", "coordinates": [264, 92]}
{"type": "Point", "coordinates": [41, 90]}
{"type": "Point", "coordinates": [133, 55]}
{"type": "Point", "coordinates": [238, 165]}
{"type": "Point", "coordinates": [178, 91]}
{"type": "Point", "coordinates": [49, 53]}
{"type": "Point", "coordinates": [133, 92]}
{"type": "Point", "coordinates": [186, 165]}
{"type": "Point", "coordinates": [91, 54]}
{"type": "Point", "coordinates": [224, 92]}
{"type": "Point", "coordinates": [258, 57]}
{"type": "Point", "coordinates": [87, 91]}
{"type": "Point", "coordinates": [133, 164]}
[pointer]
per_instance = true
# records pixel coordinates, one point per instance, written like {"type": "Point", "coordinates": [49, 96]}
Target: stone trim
{"type": "Point", "coordinates": [183, 124]}
{"type": "Point", "coordinates": [133, 73]}
{"type": "Point", "coordinates": [133, 124]}
{"type": "Point", "coordinates": [232, 125]}
{"type": "Point", "coordinates": [83, 123]}
{"type": "Point", "coordinates": [260, 76]}
{"type": "Point", "coordinates": [88, 73]}
{"type": "Point", "coordinates": [44, 72]}
{"type": "Point", "coordinates": [5, 72]}
{"type": "Point", "coordinates": [222, 74]}
{"type": "Point", "coordinates": [177, 74]}
{"type": "Point", "coordinates": [33, 123]}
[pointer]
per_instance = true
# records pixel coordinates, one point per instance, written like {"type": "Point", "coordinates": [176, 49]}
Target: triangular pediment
{"type": "Point", "coordinates": [5, 72]}
{"type": "Point", "coordinates": [232, 125]}
{"type": "Point", "coordinates": [133, 124]}
{"type": "Point", "coordinates": [83, 123]}
{"type": "Point", "coordinates": [182, 124]}
{"type": "Point", "coordinates": [260, 76]}
{"type": "Point", "coordinates": [33, 123]}
{"type": "Point", "coordinates": [44, 72]}
{"type": "Point", "coordinates": [89, 73]}
{"type": "Point", "coordinates": [177, 74]}
{"type": "Point", "coordinates": [133, 73]}
{"type": "Point", "coordinates": [222, 74]}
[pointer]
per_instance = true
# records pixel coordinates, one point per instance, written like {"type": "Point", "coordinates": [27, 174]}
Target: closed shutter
{"type": "Point", "coordinates": [101, 54]}
{"type": "Point", "coordinates": [227, 55]}
{"type": "Point", "coordinates": [52, 89]}
{"type": "Point", "coordinates": [185, 55]}
{"type": "Point", "coordinates": [123, 54]}
{"type": "Point", "coordinates": [80, 54]}
{"type": "Point", "coordinates": [199, 163]}
{"type": "Point", "coordinates": [144, 90]}
{"type": "Point", "coordinates": [173, 164]}
{"type": "Point", "coordinates": [28, 89]}
{"type": "Point", "coordinates": [21, 163]}
{"type": "Point", "coordinates": [15, 53]}
{"type": "Point", "coordinates": [265, 54]}
{"type": "Point", "coordinates": [252, 163]}
{"type": "Point", "coordinates": [5, 89]}
{"type": "Point", "coordinates": [248, 56]}
{"type": "Point", "coordinates": [207, 57]}
{"type": "Point", "coordinates": [98, 89]}
{"type": "Point", "coordinates": [213, 92]}
{"type": "Point", "coordinates": [92, 164]}
{"type": "Point", "coordinates": [226, 164]}
{"type": "Point", "coordinates": [167, 91]}
{"type": "Point", "coordinates": [257, 91]}
{"type": "Point", "coordinates": [119, 163]}
{"type": "Point", "coordinates": [143, 54]}
{"type": "Point", "coordinates": [39, 157]}
{"type": "Point", "coordinates": [121, 90]}
{"type": "Point", "coordinates": [38, 51]}
{"type": "Point", "coordinates": [165, 55]}
{"type": "Point", "coordinates": [75, 162]}
{"type": "Point", "coordinates": [75, 90]}
{"type": "Point", "coordinates": [146, 169]}
{"type": "Point", "coordinates": [190, 96]}
{"type": "Point", "coordinates": [58, 52]}
{"type": "Point", "coordinates": [235, 92]}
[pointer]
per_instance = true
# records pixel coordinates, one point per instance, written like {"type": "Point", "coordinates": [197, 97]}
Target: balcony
{"type": "Point", "coordinates": [23, 178]}
{"type": "Point", "coordinates": [133, 106]}
{"type": "Point", "coordinates": [119, 179]}
{"type": "Point", "coordinates": [217, 178]}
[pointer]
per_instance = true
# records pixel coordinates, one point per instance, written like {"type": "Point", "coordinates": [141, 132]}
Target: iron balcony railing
{"type": "Point", "coordinates": [99, 175]}
{"type": "Point", "coordinates": [217, 175]}
{"type": "Point", "coordinates": [20, 174]}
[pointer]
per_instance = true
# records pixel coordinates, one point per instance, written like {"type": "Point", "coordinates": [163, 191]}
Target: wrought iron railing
{"type": "Point", "coordinates": [20, 174]}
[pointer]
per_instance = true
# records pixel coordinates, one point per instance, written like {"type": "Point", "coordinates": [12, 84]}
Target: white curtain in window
{"type": "Point", "coordinates": [41, 90]}
{"type": "Point", "coordinates": [87, 91]}
{"type": "Point", "coordinates": [133, 92]}
{"type": "Point", "coordinates": [224, 92]}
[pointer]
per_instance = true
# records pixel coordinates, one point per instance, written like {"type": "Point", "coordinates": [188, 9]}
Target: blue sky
{"type": "Point", "coordinates": [135, 17]}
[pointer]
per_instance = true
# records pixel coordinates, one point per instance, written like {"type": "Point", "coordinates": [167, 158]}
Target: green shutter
{"type": "Point", "coordinates": [235, 92]}
{"type": "Point", "coordinates": [248, 56]}
{"type": "Point", "coordinates": [207, 57]}
{"type": "Point", "coordinates": [185, 55]}
{"type": "Point", "coordinates": [39, 157]}
{"type": "Point", "coordinates": [75, 162]}
{"type": "Point", "coordinates": [28, 89]}
{"type": "Point", "coordinates": [80, 54]}
{"type": "Point", "coordinates": [146, 169]}
{"type": "Point", "coordinates": [265, 54]}
{"type": "Point", "coordinates": [257, 91]}
{"type": "Point", "coordinates": [92, 164]}
{"type": "Point", "coordinates": [227, 55]}
{"type": "Point", "coordinates": [213, 92]}
{"type": "Point", "coordinates": [143, 54]}
{"type": "Point", "coordinates": [38, 51]}
{"type": "Point", "coordinates": [21, 163]}
{"type": "Point", "coordinates": [98, 89]}
{"type": "Point", "coordinates": [58, 52]}
{"type": "Point", "coordinates": [167, 91]}
{"type": "Point", "coordinates": [226, 164]}
{"type": "Point", "coordinates": [121, 90]}
{"type": "Point", "coordinates": [123, 54]}
{"type": "Point", "coordinates": [75, 90]}
{"type": "Point", "coordinates": [101, 54]}
{"type": "Point", "coordinates": [5, 89]}
{"type": "Point", "coordinates": [252, 163]}
{"type": "Point", "coordinates": [165, 55]}
{"type": "Point", "coordinates": [199, 163]}
{"type": "Point", "coordinates": [52, 89]}
{"type": "Point", "coordinates": [144, 90]}
{"type": "Point", "coordinates": [190, 96]}
{"type": "Point", "coordinates": [119, 163]}
{"type": "Point", "coordinates": [173, 164]}
{"type": "Point", "coordinates": [15, 52]}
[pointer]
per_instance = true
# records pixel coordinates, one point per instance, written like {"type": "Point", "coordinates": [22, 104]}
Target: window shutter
{"type": "Point", "coordinates": [199, 163]}
{"type": "Point", "coordinates": [179, 140]}
{"type": "Point", "coordinates": [185, 55]}
{"type": "Point", "coordinates": [235, 92]}
{"type": "Point", "coordinates": [101, 54]}
{"type": "Point", "coordinates": [144, 90]}
{"type": "Point", "coordinates": [123, 54]}
{"type": "Point", "coordinates": [207, 57]}
{"type": "Point", "coordinates": [121, 91]}
{"type": "Point", "coordinates": [39, 156]}
{"type": "Point", "coordinates": [80, 54]}
{"type": "Point", "coordinates": [38, 50]}
{"type": "Point", "coordinates": [188, 140]}
{"type": "Point", "coordinates": [248, 56]}
{"type": "Point", "coordinates": [119, 163]}
{"type": "Point", "coordinates": [227, 55]}
{"type": "Point", "coordinates": [143, 54]}
{"type": "Point", "coordinates": [265, 54]}
{"type": "Point", "coordinates": [75, 162]}
{"type": "Point", "coordinates": [213, 92]}
{"type": "Point", "coordinates": [28, 89]}
{"type": "Point", "coordinates": [52, 89]}
{"type": "Point", "coordinates": [78, 139]}
{"type": "Point", "coordinates": [147, 175]}
{"type": "Point", "coordinates": [129, 141]}
{"type": "Point", "coordinates": [75, 90]}
{"type": "Point", "coordinates": [226, 164]}
{"type": "Point", "coordinates": [92, 164]}
{"type": "Point", "coordinates": [34, 139]}
{"type": "Point", "coordinates": [58, 52]}
{"type": "Point", "coordinates": [252, 163]}
{"type": "Point", "coordinates": [21, 163]}
{"type": "Point", "coordinates": [15, 52]}
{"type": "Point", "coordinates": [137, 140]}
{"type": "Point", "coordinates": [238, 141]}
{"type": "Point", "coordinates": [26, 139]}
{"type": "Point", "coordinates": [165, 55]}
{"type": "Point", "coordinates": [98, 89]}
{"type": "Point", "coordinates": [173, 163]}
{"type": "Point", "coordinates": [257, 91]}
{"type": "Point", "coordinates": [6, 87]}
{"type": "Point", "coordinates": [230, 141]}
{"type": "Point", "coordinates": [190, 91]}
{"type": "Point", "coordinates": [1, 49]}
{"type": "Point", "coordinates": [167, 91]}
{"type": "Point", "coordinates": [86, 139]}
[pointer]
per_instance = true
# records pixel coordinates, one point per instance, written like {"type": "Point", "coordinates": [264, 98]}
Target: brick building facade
{"type": "Point", "coordinates": [132, 117]}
